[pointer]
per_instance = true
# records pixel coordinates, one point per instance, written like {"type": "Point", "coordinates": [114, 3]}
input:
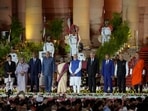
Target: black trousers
{"type": "Point", "coordinates": [138, 86]}
{"type": "Point", "coordinates": [92, 84]}
{"type": "Point", "coordinates": [121, 81]}
{"type": "Point", "coordinates": [35, 81]}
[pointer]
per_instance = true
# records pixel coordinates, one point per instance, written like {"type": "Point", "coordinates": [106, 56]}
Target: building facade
{"type": "Point", "coordinates": [89, 15]}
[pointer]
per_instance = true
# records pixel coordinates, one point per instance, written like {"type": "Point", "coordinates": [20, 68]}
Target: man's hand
{"type": "Point", "coordinates": [96, 74]}
{"type": "Point", "coordinates": [22, 73]}
{"type": "Point", "coordinates": [39, 75]}
{"type": "Point", "coordinates": [73, 74]}
{"type": "Point", "coordinates": [112, 77]}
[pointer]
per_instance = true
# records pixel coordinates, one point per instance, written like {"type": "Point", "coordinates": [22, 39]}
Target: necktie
{"type": "Point", "coordinates": [107, 61]}
{"type": "Point", "coordinates": [91, 61]}
{"type": "Point", "coordinates": [34, 61]}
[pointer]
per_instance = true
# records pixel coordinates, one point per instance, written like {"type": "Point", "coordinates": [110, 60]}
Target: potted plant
{"type": "Point", "coordinates": [54, 30]}
{"type": "Point", "coordinates": [16, 31]}
{"type": "Point", "coordinates": [120, 35]}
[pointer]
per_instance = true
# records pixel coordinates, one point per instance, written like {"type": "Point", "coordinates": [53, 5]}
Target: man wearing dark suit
{"type": "Point", "coordinates": [9, 71]}
{"type": "Point", "coordinates": [107, 72]}
{"type": "Point", "coordinates": [34, 71]}
{"type": "Point", "coordinates": [92, 71]}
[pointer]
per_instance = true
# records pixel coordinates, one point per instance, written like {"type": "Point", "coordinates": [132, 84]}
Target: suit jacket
{"type": "Point", "coordinates": [48, 66]}
{"type": "Point", "coordinates": [108, 68]}
{"type": "Point", "coordinates": [92, 68]}
{"type": "Point", "coordinates": [34, 67]}
{"type": "Point", "coordinates": [9, 68]}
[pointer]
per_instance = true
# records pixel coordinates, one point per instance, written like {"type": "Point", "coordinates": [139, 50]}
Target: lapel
{"type": "Point", "coordinates": [34, 62]}
{"type": "Point", "coordinates": [107, 62]}
{"type": "Point", "coordinates": [8, 64]}
{"type": "Point", "coordinates": [92, 62]}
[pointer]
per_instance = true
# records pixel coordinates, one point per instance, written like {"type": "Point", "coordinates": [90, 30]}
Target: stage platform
{"type": "Point", "coordinates": [75, 96]}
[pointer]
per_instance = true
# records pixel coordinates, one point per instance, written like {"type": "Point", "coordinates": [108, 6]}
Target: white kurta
{"type": "Point", "coordinates": [21, 78]}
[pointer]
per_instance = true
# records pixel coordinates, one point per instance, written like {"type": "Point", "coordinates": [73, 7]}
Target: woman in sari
{"type": "Point", "coordinates": [62, 69]}
{"type": "Point", "coordinates": [21, 74]}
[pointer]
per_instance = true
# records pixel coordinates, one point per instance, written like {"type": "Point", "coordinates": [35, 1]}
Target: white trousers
{"type": "Point", "coordinates": [9, 83]}
{"type": "Point", "coordinates": [75, 82]}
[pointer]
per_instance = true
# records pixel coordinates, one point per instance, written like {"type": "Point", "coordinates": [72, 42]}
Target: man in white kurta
{"type": "Point", "coordinates": [21, 74]}
{"type": "Point", "coordinates": [75, 74]}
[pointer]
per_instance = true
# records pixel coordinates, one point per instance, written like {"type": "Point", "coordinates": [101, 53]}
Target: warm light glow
{"type": "Point", "coordinates": [128, 46]}
{"type": "Point", "coordinates": [29, 32]}
{"type": "Point", "coordinates": [33, 20]}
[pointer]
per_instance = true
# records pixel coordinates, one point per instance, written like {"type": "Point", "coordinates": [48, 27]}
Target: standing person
{"type": "Point", "coordinates": [48, 69]}
{"type": "Point", "coordinates": [107, 72]}
{"type": "Point", "coordinates": [75, 73]}
{"type": "Point", "coordinates": [21, 74]}
{"type": "Point", "coordinates": [49, 46]}
{"type": "Point", "coordinates": [74, 40]}
{"type": "Point", "coordinates": [121, 71]}
{"type": "Point", "coordinates": [105, 32]}
{"type": "Point", "coordinates": [34, 71]}
{"type": "Point", "coordinates": [92, 71]}
{"type": "Point", "coordinates": [62, 69]}
{"type": "Point", "coordinates": [9, 71]}
{"type": "Point", "coordinates": [137, 72]}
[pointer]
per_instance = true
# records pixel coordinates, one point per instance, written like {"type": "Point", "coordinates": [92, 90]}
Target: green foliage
{"type": "Point", "coordinates": [16, 31]}
{"type": "Point", "coordinates": [67, 48]}
{"type": "Point", "coordinates": [5, 46]}
{"type": "Point", "coordinates": [55, 28]}
{"type": "Point", "coordinates": [4, 50]}
{"type": "Point", "coordinates": [120, 35]}
{"type": "Point", "coordinates": [26, 49]}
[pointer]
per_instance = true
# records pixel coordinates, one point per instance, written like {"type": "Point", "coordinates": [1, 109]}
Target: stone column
{"type": "Point", "coordinates": [96, 20]}
{"type": "Point", "coordinates": [81, 19]}
{"type": "Point", "coordinates": [143, 21]}
{"type": "Point", "coordinates": [34, 20]}
{"type": "Point", "coordinates": [130, 13]}
{"type": "Point", "coordinates": [111, 6]}
{"type": "Point", "coordinates": [21, 11]}
{"type": "Point", "coordinates": [6, 13]}
{"type": "Point", "coordinates": [21, 15]}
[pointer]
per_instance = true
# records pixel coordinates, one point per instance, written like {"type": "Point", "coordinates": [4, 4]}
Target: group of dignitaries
{"type": "Point", "coordinates": [72, 70]}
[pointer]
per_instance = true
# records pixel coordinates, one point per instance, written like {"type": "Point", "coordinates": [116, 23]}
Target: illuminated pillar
{"type": "Point", "coordinates": [81, 19]}
{"type": "Point", "coordinates": [96, 20]}
{"type": "Point", "coordinates": [21, 11]}
{"type": "Point", "coordinates": [112, 6]}
{"type": "Point", "coordinates": [33, 20]}
{"type": "Point", "coordinates": [21, 15]}
{"type": "Point", "coordinates": [5, 12]}
{"type": "Point", "coordinates": [143, 21]}
{"type": "Point", "coordinates": [130, 13]}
